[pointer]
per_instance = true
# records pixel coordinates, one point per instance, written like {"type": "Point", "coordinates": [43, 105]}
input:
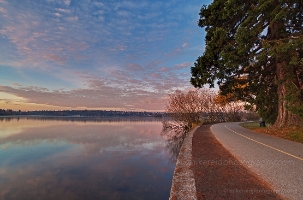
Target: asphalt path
{"type": "Point", "coordinates": [277, 161]}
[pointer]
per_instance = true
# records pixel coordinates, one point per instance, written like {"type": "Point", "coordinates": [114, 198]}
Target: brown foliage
{"type": "Point", "coordinates": [203, 106]}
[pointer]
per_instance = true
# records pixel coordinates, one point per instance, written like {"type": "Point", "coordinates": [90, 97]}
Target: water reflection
{"type": "Point", "coordinates": [174, 135]}
{"type": "Point", "coordinates": [63, 159]}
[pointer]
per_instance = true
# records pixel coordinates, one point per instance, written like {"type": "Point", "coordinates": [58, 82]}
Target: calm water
{"type": "Point", "coordinates": [91, 159]}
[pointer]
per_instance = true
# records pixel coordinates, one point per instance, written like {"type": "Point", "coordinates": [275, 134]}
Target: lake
{"type": "Point", "coordinates": [74, 158]}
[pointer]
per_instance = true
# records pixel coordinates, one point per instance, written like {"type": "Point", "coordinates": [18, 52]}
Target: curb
{"type": "Point", "coordinates": [183, 183]}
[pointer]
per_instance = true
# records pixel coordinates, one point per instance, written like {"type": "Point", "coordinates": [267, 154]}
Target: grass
{"type": "Point", "coordinates": [293, 133]}
{"type": "Point", "coordinates": [296, 135]}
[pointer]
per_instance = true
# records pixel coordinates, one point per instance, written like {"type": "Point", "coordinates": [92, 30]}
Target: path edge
{"type": "Point", "coordinates": [183, 183]}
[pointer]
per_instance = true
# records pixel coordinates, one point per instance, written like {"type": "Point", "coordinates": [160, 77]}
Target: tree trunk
{"type": "Point", "coordinates": [285, 117]}
{"type": "Point", "coordinates": [277, 31]}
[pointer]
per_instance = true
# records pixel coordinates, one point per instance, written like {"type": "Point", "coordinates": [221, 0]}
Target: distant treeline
{"type": "Point", "coordinates": [81, 119]}
{"type": "Point", "coordinates": [6, 112]}
{"type": "Point", "coordinates": [84, 113]}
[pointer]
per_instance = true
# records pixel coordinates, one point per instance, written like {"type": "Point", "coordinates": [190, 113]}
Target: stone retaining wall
{"type": "Point", "coordinates": [183, 184]}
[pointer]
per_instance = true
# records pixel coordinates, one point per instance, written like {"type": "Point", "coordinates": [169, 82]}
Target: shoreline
{"type": "Point", "coordinates": [83, 118]}
{"type": "Point", "coordinates": [183, 183]}
{"type": "Point", "coordinates": [16, 116]}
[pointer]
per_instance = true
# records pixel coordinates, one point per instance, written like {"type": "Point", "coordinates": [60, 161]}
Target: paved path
{"type": "Point", "coordinates": [277, 161]}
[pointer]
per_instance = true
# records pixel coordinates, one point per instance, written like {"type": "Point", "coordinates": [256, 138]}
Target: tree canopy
{"type": "Point", "coordinates": [254, 51]}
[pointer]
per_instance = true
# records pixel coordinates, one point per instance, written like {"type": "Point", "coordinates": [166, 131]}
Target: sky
{"type": "Point", "coordinates": [97, 54]}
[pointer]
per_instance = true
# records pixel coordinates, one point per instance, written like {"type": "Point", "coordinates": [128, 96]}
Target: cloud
{"type": "Point", "coordinates": [36, 34]}
{"type": "Point", "coordinates": [90, 23]}
{"type": "Point", "coordinates": [62, 10]}
{"type": "Point", "coordinates": [98, 4]}
{"type": "Point", "coordinates": [2, 10]}
{"type": "Point", "coordinates": [134, 67]}
{"type": "Point", "coordinates": [164, 69]}
{"type": "Point", "coordinates": [129, 51]}
{"type": "Point", "coordinates": [71, 19]}
{"type": "Point", "coordinates": [57, 14]}
{"type": "Point", "coordinates": [153, 64]}
{"type": "Point", "coordinates": [57, 58]}
{"type": "Point", "coordinates": [124, 13]}
{"type": "Point", "coordinates": [183, 65]}
{"type": "Point", "coordinates": [67, 2]}
{"type": "Point", "coordinates": [99, 96]}
{"type": "Point", "coordinates": [149, 16]}
{"type": "Point", "coordinates": [119, 88]}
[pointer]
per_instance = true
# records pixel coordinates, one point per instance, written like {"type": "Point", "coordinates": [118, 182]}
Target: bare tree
{"type": "Point", "coordinates": [202, 106]}
{"type": "Point", "coordinates": [184, 108]}
{"type": "Point", "coordinates": [193, 107]}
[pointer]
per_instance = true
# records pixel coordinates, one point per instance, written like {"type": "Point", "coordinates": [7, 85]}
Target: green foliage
{"type": "Point", "coordinates": [258, 44]}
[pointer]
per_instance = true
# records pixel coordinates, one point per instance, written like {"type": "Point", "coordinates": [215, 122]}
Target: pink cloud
{"type": "Point", "coordinates": [153, 64]}
{"type": "Point", "coordinates": [3, 10]}
{"type": "Point", "coordinates": [134, 67]}
{"type": "Point", "coordinates": [183, 65]}
{"type": "Point", "coordinates": [155, 75]}
{"type": "Point", "coordinates": [57, 58]}
{"type": "Point", "coordinates": [98, 95]}
{"type": "Point", "coordinates": [164, 69]}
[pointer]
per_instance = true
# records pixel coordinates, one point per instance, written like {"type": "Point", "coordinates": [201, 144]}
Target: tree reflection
{"type": "Point", "coordinates": [174, 135]}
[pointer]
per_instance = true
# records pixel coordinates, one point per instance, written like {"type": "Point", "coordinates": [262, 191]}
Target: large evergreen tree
{"type": "Point", "coordinates": [254, 51]}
